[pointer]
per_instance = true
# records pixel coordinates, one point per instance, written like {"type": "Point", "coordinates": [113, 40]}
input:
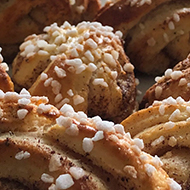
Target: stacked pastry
{"type": "Point", "coordinates": [156, 32]}
{"type": "Point", "coordinates": [53, 136]}
{"type": "Point", "coordinates": [45, 148]}
{"type": "Point", "coordinates": [164, 128]}
{"type": "Point", "coordinates": [18, 19]}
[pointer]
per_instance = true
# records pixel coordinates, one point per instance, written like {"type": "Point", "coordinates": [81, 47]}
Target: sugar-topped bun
{"type": "Point", "coordinates": [164, 128]}
{"type": "Point", "coordinates": [175, 82]}
{"type": "Point", "coordinates": [156, 32]}
{"type": "Point", "coordinates": [44, 148]}
{"type": "Point", "coordinates": [18, 19]}
{"type": "Point", "coordinates": [83, 65]}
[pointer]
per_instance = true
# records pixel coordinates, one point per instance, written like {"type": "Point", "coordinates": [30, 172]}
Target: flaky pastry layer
{"type": "Point", "coordinates": [164, 128]}
{"type": "Point", "coordinates": [101, 143]}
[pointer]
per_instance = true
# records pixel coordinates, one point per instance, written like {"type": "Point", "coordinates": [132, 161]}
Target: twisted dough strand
{"type": "Point", "coordinates": [154, 31]}
{"type": "Point", "coordinates": [164, 128]}
{"type": "Point", "coordinates": [102, 142]}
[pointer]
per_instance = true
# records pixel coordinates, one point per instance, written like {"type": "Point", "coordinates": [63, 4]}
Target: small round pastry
{"type": "Point", "coordinates": [152, 45]}
{"type": "Point", "coordinates": [83, 65]}
{"type": "Point", "coordinates": [18, 19]}
{"type": "Point", "coordinates": [45, 148]}
{"type": "Point", "coordinates": [164, 128]}
{"type": "Point", "coordinates": [6, 83]}
{"type": "Point", "coordinates": [175, 82]}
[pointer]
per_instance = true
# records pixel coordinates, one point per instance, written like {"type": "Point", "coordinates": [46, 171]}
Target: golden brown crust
{"type": "Point", "coordinates": [31, 122]}
{"type": "Point", "coordinates": [100, 143]}
{"type": "Point", "coordinates": [152, 45]}
{"type": "Point", "coordinates": [93, 6]}
{"type": "Point", "coordinates": [6, 83]}
{"type": "Point", "coordinates": [143, 119]}
{"type": "Point", "coordinates": [29, 171]}
{"type": "Point", "coordinates": [174, 83]}
{"type": "Point", "coordinates": [26, 135]}
{"type": "Point", "coordinates": [183, 65]}
{"type": "Point", "coordinates": [88, 65]}
{"type": "Point", "coordinates": [175, 159]}
{"type": "Point", "coordinates": [125, 20]}
{"type": "Point", "coordinates": [114, 148]}
{"type": "Point", "coordinates": [164, 128]}
{"type": "Point", "coordinates": [19, 19]}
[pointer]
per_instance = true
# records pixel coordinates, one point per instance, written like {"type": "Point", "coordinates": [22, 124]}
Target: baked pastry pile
{"type": "Point", "coordinates": [74, 83]}
{"type": "Point", "coordinates": [156, 32]}
{"type": "Point", "coordinates": [46, 148]}
{"type": "Point", "coordinates": [164, 128]}
{"type": "Point", "coordinates": [83, 65]}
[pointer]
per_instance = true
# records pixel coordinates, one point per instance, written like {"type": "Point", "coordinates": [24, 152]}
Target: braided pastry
{"type": "Point", "coordinates": [175, 82]}
{"type": "Point", "coordinates": [44, 148]}
{"type": "Point", "coordinates": [164, 128]}
{"type": "Point", "coordinates": [83, 65]}
{"type": "Point", "coordinates": [6, 83]}
{"type": "Point", "coordinates": [154, 31]}
{"type": "Point", "coordinates": [18, 19]}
